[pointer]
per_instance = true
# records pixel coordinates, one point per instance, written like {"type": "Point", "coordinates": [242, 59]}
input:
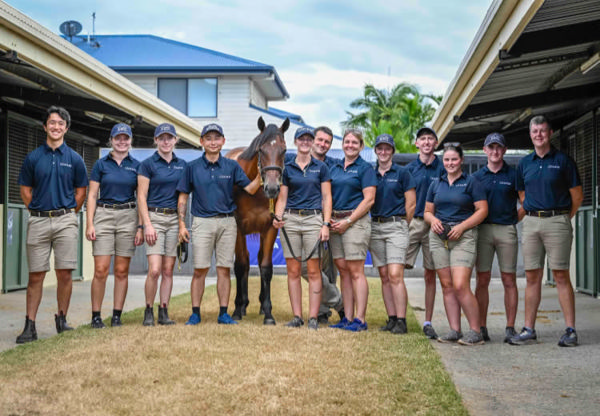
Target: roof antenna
{"type": "Point", "coordinates": [94, 25]}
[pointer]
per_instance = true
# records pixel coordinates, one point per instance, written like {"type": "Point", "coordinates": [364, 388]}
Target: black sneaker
{"type": "Point", "coordinates": [450, 337]}
{"type": "Point", "coordinates": [569, 338]}
{"type": "Point", "coordinates": [296, 322]}
{"type": "Point", "coordinates": [399, 327]}
{"type": "Point", "coordinates": [313, 324]}
{"type": "Point", "coordinates": [323, 319]}
{"type": "Point", "coordinates": [61, 323]}
{"type": "Point", "coordinates": [163, 317]}
{"type": "Point", "coordinates": [527, 336]}
{"type": "Point", "coordinates": [97, 323]}
{"type": "Point", "coordinates": [389, 324]}
{"type": "Point", "coordinates": [115, 321]}
{"type": "Point", "coordinates": [430, 332]}
{"type": "Point", "coordinates": [484, 334]}
{"type": "Point", "coordinates": [29, 333]}
{"type": "Point", "coordinates": [509, 332]}
{"type": "Point", "coordinates": [148, 316]}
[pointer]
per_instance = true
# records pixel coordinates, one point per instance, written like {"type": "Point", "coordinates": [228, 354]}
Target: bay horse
{"type": "Point", "coordinates": [265, 157]}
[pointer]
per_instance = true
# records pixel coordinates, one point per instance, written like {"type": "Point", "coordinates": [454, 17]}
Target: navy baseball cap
{"type": "Point", "coordinates": [426, 130]}
{"type": "Point", "coordinates": [121, 128]}
{"type": "Point", "coordinates": [165, 128]}
{"type": "Point", "coordinates": [212, 127]}
{"type": "Point", "coordinates": [494, 138]}
{"type": "Point", "coordinates": [385, 138]}
{"type": "Point", "coordinates": [302, 131]}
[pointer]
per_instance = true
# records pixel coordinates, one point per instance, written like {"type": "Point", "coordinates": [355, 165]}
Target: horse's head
{"type": "Point", "coordinates": [271, 156]}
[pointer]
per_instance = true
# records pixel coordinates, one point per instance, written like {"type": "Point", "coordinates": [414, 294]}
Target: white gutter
{"type": "Point", "coordinates": [49, 52]}
{"type": "Point", "coordinates": [500, 29]}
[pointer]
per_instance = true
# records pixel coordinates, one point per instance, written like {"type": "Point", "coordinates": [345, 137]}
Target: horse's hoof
{"type": "Point", "coordinates": [236, 317]}
{"type": "Point", "coordinates": [269, 321]}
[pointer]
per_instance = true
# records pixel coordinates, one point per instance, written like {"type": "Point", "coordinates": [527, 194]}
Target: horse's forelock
{"type": "Point", "coordinates": [268, 133]}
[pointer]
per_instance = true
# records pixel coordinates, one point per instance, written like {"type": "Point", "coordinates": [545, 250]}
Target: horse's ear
{"type": "Point", "coordinates": [261, 123]}
{"type": "Point", "coordinates": [285, 125]}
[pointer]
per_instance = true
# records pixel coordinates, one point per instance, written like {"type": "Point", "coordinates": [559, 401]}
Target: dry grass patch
{"type": "Point", "coordinates": [214, 369]}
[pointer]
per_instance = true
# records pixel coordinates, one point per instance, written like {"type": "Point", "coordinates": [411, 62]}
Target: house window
{"type": "Point", "coordinates": [196, 97]}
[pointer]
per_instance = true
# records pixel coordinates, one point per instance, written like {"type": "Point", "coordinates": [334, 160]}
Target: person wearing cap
{"type": "Point", "coordinates": [331, 297]}
{"type": "Point", "coordinates": [112, 224]}
{"type": "Point", "coordinates": [53, 182]}
{"type": "Point", "coordinates": [304, 208]}
{"type": "Point", "coordinates": [455, 205]}
{"type": "Point", "coordinates": [157, 195]}
{"type": "Point", "coordinates": [498, 233]}
{"type": "Point", "coordinates": [211, 179]}
{"type": "Point", "coordinates": [426, 169]}
{"type": "Point", "coordinates": [391, 214]}
{"type": "Point", "coordinates": [353, 187]}
{"type": "Point", "coordinates": [551, 193]}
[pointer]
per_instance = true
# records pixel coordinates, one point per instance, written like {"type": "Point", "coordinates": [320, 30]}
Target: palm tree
{"type": "Point", "coordinates": [400, 112]}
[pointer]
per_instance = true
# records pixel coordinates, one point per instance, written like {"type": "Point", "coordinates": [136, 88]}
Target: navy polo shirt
{"type": "Point", "coordinates": [53, 175]}
{"type": "Point", "coordinates": [304, 185]}
{"type": "Point", "coordinates": [454, 203]}
{"type": "Point", "coordinates": [164, 176]}
{"type": "Point", "coordinates": [547, 180]}
{"type": "Point", "coordinates": [423, 175]}
{"type": "Point", "coordinates": [118, 183]}
{"type": "Point", "coordinates": [212, 185]}
{"type": "Point", "coordinates": [347, 184]}
{"type": "Point", "coordinates": [501, 190]}
{"type": "Point", "coordinates": [391, 187]}
{"type": "Point", "coordinates": [329, 161]}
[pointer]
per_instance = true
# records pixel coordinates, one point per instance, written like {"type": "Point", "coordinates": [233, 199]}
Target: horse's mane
{"type": "Point", "coordinates": [269, 132]}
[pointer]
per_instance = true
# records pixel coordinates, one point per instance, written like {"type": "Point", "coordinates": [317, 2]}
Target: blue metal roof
{"type": "Point", "coordinates": [149, 53]}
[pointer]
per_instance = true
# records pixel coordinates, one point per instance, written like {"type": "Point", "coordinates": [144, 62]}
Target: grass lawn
{"type": "Point", "coordinates": [243, 369]}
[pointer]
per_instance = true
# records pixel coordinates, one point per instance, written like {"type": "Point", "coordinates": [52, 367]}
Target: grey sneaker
{"type": "Point", "coordinates": [313, 324]}
{"type": "Point", "coordinates": [484, 334]}
{"type": "Point", "coordinates": [389, 324]}
{"type": "Point", "coordinates": [399, 327]}
{"type": "Point", "coordinates": [509, 333]}
{"type": "Point", "coordinates": [450, 337]}
{"type": "Point", "coordinates": [527, 336]}
{"type": "Point", "coordinates": [430, 332]}
{"type": "Point", "coordinates": [569, 338]}
{"type": "Point", "coordinates": [296, 322]}
{"type": "Point", "coordinates": [472, 338]}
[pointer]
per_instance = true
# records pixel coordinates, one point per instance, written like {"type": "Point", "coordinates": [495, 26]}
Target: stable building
{"type": "Point", "coordinates": [533, 57]}
{"type": "Point", "coordinates": [39, 69]}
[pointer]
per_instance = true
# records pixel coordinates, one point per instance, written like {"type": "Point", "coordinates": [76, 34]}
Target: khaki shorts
{"type": "Point", "coordinates": [553, 236]}
{"type": "Point", "coordinates": [167, 231]}
{"type": "Point", "coordinates": [303, 233]}
{"type": "Point", "coordinates": [354, 243]}
{"type": "Point", "coordinates": [418, 237]}
{"type": "Point", "coordinates": [389, 241]}
{"type": "Point", "coordinates": [460, 253]}
{"type": "Point", "coordinates": [58, 233]}
{"type": "Point", "coordinates": [115, 232]}
{"type": "Point", "coordinates": [501, 239]}
{"type": "Point", "coordinates": [213, 235]}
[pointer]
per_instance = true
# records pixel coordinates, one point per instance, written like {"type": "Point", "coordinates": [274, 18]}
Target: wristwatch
{"type": "Point", "coordinates": [348, 220]}
{"type": "Point", "coordinates": [327, 224]}
{"type": "Point", "coordinates": [141, 227]}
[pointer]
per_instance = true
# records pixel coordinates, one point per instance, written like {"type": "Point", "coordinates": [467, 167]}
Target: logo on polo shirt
{"type": "Point", "coordinates": [391, 180]}
{"type": "Point", "coordinates": [224, 176]}
{"type": "Point", "coordinates": [553, 167]}
{"type": "Point", "coordinates": [131, 169]}
{"type": "Point", "coordinates": [314, 171]}
{"type": "Point", "coordinates": [505, 183]}
{"type": "Point", "coordinates": [461, 184]}
{"type": "Point", "coordinates": [178, 167]}
{"type": "Point", "coordinates": [352, 171]}
{"type": "Point", "coordinates": [66, 165]}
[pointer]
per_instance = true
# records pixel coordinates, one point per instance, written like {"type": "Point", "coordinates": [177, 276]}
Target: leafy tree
{"type": "Point", "coordinates": [400, 112]}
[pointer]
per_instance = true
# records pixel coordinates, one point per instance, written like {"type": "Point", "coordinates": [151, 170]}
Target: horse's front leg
{"type": "Point", "coordinates": [241, 268]}
{"type": "Point", "coordinates": [265, 258]}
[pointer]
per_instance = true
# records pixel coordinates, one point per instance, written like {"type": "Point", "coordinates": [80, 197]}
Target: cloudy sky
{"type": "Point", "coordinates": [324, 51]}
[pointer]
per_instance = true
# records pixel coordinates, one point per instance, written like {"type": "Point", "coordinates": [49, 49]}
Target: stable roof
{"type": "Point", "coordinates": [528, 58]}
{"type": "Point", "coordinates": [154, 54]}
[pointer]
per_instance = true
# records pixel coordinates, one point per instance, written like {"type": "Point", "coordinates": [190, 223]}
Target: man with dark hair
{"type": "Point", "coordinates": [53, 183]}
{"type": "Point", "coordinates": [425, 169]}
{"type": "Point", "coordinates": [550, 191]}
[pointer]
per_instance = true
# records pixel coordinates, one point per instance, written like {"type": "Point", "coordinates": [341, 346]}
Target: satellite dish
{"type": "Point", "coordinates": [70, 28]}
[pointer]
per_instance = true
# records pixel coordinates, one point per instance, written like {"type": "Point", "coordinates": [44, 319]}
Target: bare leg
{"type": "Point", "coordinates": [386, 291]}
{"type": "Point", "coordinates": [197, 286]}
{"type": "Point", "coordinates": [166, 283]}
{"type": "Point", "coordinates": [359, 286]}
{"type": "Point", "coordinates": [533, 295]}
{"type": "Point", "coordinates": [35, 288]}
{"type": "Point", "coordinates": [223, 285]}
{"type": "Point", "coordinates": [294, 285]}
{"type": "Point", "coordinates": [346, 284]}
{"type": "Point", "coordinates": [511, 297]}
{"type": "Point", "coordinates": [154, 270]}
{"type": "Point", "coordinates": [483, 296]}
{"type": "Point", "coordinates": [429, 293]}
{"type": "Point", "coordinates": [566, 298]}
{"type": "Point", "coordinates": [64, 287]}
{"type": "Point", "coordinates": [450, 301]}
{"type": "Point", "coordinates": [315, 287]}
{"type": "Point", "coordinates": [101, 267]}
{"type": "Point", "coordinates": [400, 297]}
{"type": "Point", "coordinates": [461, 277]}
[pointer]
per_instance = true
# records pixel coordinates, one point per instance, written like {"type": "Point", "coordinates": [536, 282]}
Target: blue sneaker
{"type": "Point", "coordinates": [341, 324]}
{"type": "Point", "coordinates": [356, 326]}
{"type": "Point", "coordinates": [194, 319]}
{"type": "Point", "coordinates": [225, 319]}
{"type": "Point", "coordinates": [527, 336]}
{"type": "Point", "coordinates": [569, 338]}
